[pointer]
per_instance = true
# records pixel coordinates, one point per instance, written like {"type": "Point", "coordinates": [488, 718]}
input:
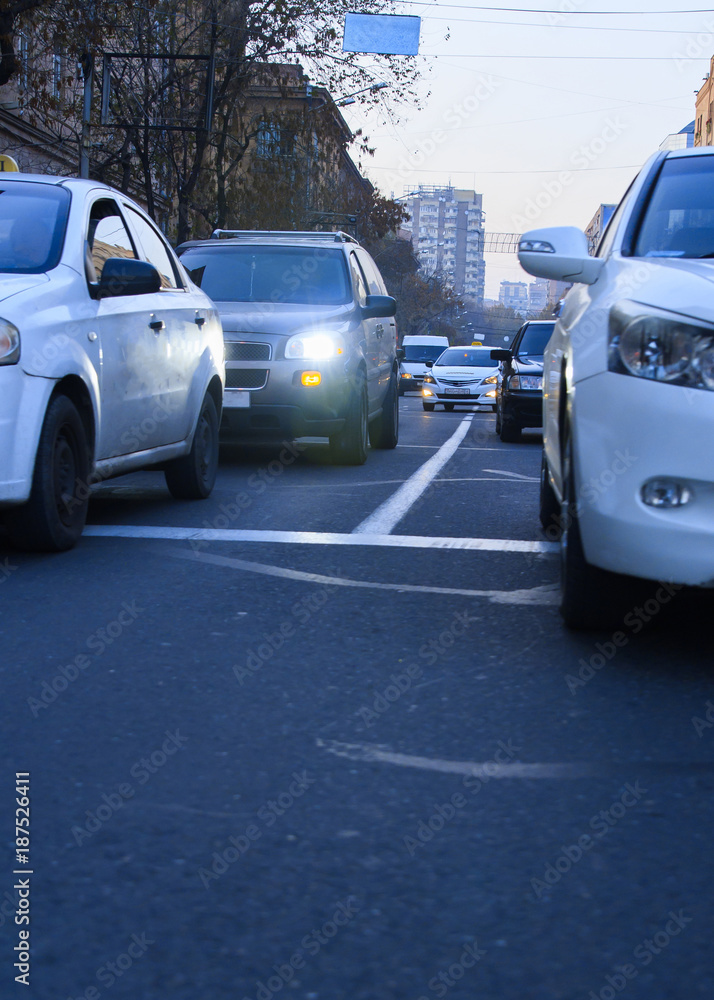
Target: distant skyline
{"type": "Point", "coordinates": [544, 138]}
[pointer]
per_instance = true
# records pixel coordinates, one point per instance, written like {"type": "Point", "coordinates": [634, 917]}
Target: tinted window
{"type": "Point", "coordinates": [470, 357]}
{"type": "Point", "coordinates": [534, 340]}
{"type": "Point", "coordinates": [374, 278]}
{"type": "Point", "coordinates": [679, 219]}
{"type": "Point", "coordinates": [33, 218]}
{"type": "Point", "coordinates": [107, 235]}
{"type": "Point", "coordinates": [155, 249]}
{"type": "Point", "coordinates": [298, 275]}
{"type": "Point", "coordinates": [423, 352]}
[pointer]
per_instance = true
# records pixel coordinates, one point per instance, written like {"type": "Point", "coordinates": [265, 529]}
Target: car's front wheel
{"type": "Point", "coordinates": [429, 407]}
{"type": "Point", "coordinates": [53, 518]}
{"type": "Point", "coordinates": [549, 506]}
{"type": "Point", "coordinates": [193, 476]}
{"type": "Point", "coordinates": [448, 407]}
{"type": "Point", "coordinates": [349, 446]}
{"type": "Point", "coordinates": [384, 430]}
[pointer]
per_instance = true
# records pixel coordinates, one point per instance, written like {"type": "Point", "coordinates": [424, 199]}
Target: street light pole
{"type": "Point", "coordinates": [87, 64]}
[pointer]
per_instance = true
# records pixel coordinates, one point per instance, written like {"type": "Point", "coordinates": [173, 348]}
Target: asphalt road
{"type": "Point", "coordinates": [361, 762]}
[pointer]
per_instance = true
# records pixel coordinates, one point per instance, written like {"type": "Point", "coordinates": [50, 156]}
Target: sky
{"type": "Point", "coordinates": [547, 108]}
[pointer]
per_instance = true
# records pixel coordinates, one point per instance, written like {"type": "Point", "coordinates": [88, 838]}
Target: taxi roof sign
{"type": "Point", "coordinates": [8, 164]}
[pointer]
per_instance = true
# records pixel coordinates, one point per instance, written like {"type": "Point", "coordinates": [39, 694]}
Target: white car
{"type": "Point", "coordinates": [461, 375]}
{"type": "Point", "coordinates": [111, 359]}
{"type": "Point", "coordinates": [628, 470]}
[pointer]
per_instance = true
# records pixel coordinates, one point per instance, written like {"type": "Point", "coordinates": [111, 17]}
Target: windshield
{"type": "Point", "coordinates": [33, 218]}
{"type": "Point", "coordinates": [468, 357]}
{"type": "Point", "coordinates": [422, 352]}
{"type": "Point", "coordinates": [534, 340]}
{"type": "Point", "coordinates": [679, 220]}
{"type": "Point", "coordinates": [297, 275]}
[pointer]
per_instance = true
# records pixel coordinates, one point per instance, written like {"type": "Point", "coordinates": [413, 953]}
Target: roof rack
{"type": "Point", "coordinates": [283, 235]}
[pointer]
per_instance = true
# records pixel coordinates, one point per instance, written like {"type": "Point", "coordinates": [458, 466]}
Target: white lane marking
{"type": "Point", "coordinates": [386, 517]}
{"type": "Point", "coordinates": [541, 596]}
{"type": "Point", "coordinates": [162, 532]}
{"type": "Point", "coordinates": [490, 769]}
{"type": "Point", "coordinates": [432, 447]}
{"type": "Point", "coordinates": [513, 475]}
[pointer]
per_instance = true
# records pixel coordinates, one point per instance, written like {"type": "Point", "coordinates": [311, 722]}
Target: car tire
{"type": "Point", "coordinates": [53, 518]}
{"type": "Point", "coordinates": [498, 421]}
{"type": "Point", "coordinates": [494, 408]}
{"type": "Point", "coordinates": [384, 430]}
{"type": "Point", "coordinates": [592, 599]}
{"type": "Point", "coordinates": [448, 407]}
{"type": "Point", "coordinates": [429, 407]}
{"type": "Point", "coordinates": [510, 433]}
{"type": "Point", "coordinates": [549, 512]}
{"type": "Point", "coordinates": [193, 476]}
{"type": "Point", "coordinates": [349, 446]}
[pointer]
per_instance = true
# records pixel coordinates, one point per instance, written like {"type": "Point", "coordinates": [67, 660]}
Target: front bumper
{"type": "Point", "coordinates": [628, 430]}
{"type": "Point", "coordinates": [439, 394]}
{"type": "Point", "coordinates": [523, 406]}
{"type": "Point", "coordinates": [23, 403]}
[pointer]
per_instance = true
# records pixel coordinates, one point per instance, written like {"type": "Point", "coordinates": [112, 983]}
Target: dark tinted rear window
{"type": "Point", "coordinates": [471, 357]}
{"type": "Point", "coordinates": [534, 340]}
{"type": "Point", "coordinates": [33, 219]}
{"type": "Point", "coordinates": [297, 275]}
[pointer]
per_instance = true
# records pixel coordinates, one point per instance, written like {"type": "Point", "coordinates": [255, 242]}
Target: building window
{"type": "Point", "coordinates": [57, 70]}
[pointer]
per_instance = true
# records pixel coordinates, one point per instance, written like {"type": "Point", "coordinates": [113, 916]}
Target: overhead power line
{"type": "Point", "coordinates": [549, 10]}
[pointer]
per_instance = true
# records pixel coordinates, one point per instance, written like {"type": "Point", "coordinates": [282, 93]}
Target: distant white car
{"type": "Point", "coordinates": [111, 359]}
{"type": "Point", "coordinates": [628, 467]}
{"type": "Point", "coordinates": [463, 375]}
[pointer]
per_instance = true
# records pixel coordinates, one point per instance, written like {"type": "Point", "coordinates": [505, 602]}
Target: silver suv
{"type": "Point", "coordinates": [311, 343]}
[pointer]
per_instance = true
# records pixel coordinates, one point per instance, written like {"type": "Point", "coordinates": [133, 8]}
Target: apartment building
{"type": "Point", "coordinates": [514, 295]}
{"type": "Point", "coordinates": [447, 232]}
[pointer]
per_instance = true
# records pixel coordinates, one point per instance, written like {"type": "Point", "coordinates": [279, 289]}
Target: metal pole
{"type": "Point", "coordinates": [88, 73]}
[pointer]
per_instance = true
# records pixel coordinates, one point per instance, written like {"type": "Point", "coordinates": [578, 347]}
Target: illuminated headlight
{"type": "Point", "coordinates": [490, 394]}
{"type": "Point", "coordinates": [427, 392]}
{"type": "Point", "coordinates": [656, 344]}
{"type": "Point", "coordinates": [9, 343]}
{"type": "Point", "coordinates": [407, 375]}
{"type": "Point", "coordinates": [317, 346]}
{"type": "Point", "coordinates": [526, 382]}
{"type": "Point", "coordinates": [429, 378]}
{"type": "Point", "coordinates": [491, 380]}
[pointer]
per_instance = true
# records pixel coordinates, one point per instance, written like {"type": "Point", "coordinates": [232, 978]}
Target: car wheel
{"type": "Point", "coordinates": [448, 407]}
{"type": "Point", "coordinates": [493, 408]}
{"type": "Point", "coordinates": [53, 518]}
{"type": "Point", "coordinates": [429, 407]}
{"type": "Point", "coordinates": [591, 598]}
{"type": "Point", "coordinates": [549, 506]}
{"type": "Point", "coordinates": [349, 446]}
{"type": "Point", "coordinates": [510, 432]}
{"type": "Point", "coordinates": [193, 476]}
{"type": "Point", "coordinates": [498, 421]}
{"type": "Point", "coordinates": [384, 431]}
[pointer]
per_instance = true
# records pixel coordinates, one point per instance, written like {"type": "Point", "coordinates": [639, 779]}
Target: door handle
{"type": "Point", "coordinates": [200, 320]}
{"type": "Point", "coordinates": [157, 325]}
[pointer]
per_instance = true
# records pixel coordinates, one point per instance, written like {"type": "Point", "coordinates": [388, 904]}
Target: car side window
{"type": "Point", "coordinates": [107, 235]}
{"type": "Point", "coordinates": [374, 278]}
{"type": "Point", "coordinates": [359, 279]}
{"type": "Point", "coordinates": [155, 250]}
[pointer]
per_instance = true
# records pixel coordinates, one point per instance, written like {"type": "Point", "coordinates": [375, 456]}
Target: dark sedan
{"type": "Point", "coordinates": [519, 394]}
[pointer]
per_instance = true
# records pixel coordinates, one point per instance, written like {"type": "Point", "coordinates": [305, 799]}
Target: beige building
{"type": "Point", "coordinates": [705, 110]}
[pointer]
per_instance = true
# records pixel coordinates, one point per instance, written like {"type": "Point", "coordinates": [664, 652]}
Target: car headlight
{"type": "Point", "coordinates": [406, 374]}
{"type": "Point", "coordinates": [316, 346]}
{"type": "Point", "coordinates": [491, 380]}
{"type": "Point", "coordinates": [429, 378]}
{"type": "Point", "coordinates": [526, 382]}
{"type": "Point", "coordinates": [9, 343]}
{"type": "Point", "coordinates": [656, 344]}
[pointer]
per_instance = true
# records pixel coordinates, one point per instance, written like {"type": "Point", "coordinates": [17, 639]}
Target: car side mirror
{"type": "Point", "coordinates": [560, 253]}
{"type": "Point", "coordinates": [429, 364]}
{"type": "Point", "coordinates": [500, 354]}
{"type": "Point", "coordinates": [379, 306]}
{"type": "Point", "coordinates": [401, 354]}
{"type": "Point", "coordinates": [127, 276]}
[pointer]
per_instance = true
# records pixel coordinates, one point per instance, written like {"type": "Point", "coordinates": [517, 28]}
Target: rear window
{"type": "Point", "coordinates": [33, 219]}
{"type": "Point", "coordinates": [534, 341]}
{"type": "Point", "coordinates": [297, 275]}
{"type": "Point", "coordinates": [679, 219]}
{"type": "Point", "coordinates": [422, 352]}
{"type": "Point", "coordinates": [469, 357]}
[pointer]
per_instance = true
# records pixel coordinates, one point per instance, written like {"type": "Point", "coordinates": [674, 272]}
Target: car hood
{"type": "Point", "coordinates": [466, 373]}
{"type": "Point", "coordinates": [13, 284]}
{"type": "Point", "coordinates": [527, 366]}
{"type": "Point", "coordinates": [279, 318]}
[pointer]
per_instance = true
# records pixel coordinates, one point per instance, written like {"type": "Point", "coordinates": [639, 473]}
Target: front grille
{"type": "Point", "coordinates": [246, 378]}
{"type": "Point", "coordinates": [459, 381]}
{"type": "Point", "coordinates": [243, 351]}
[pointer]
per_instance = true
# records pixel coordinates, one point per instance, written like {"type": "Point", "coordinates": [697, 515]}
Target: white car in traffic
{"type": "Point", "coordinates": [463, 375]}
{"type": "Point", "coordinates": [628, 468]}
{"type": "Point", "coordinates": [111, 359]}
